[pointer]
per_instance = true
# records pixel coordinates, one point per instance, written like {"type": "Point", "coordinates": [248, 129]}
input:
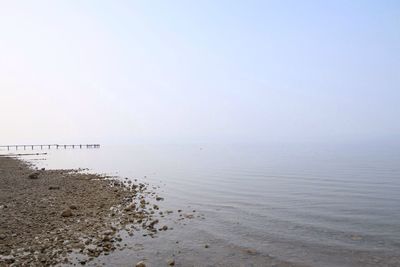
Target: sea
{"type": "Point", "coordinates": [257, 205]}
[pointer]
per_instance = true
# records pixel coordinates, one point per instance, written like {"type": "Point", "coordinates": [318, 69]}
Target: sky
{"type": "Point", "coordinates": [199, 71]}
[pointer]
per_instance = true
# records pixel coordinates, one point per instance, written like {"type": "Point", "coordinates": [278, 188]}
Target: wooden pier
{"type": "Point", "coordinates": [49, 146]}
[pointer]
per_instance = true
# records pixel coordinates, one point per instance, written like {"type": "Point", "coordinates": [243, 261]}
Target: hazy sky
{"type": "Point", "coordinates": [199, 71]}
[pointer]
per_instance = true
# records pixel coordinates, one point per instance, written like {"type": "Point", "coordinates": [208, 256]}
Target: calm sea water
{"type": "Point", "coordinates": [311, 205]}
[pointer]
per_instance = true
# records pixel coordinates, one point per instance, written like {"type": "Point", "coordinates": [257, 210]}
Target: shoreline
{"type": "Point", "coordinates": [66, 217]}
{"type": "Point", "coordinates": [48, 215]}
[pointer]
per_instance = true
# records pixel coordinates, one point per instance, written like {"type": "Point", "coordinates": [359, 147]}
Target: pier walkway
{"type": "Point", "coordinates": [49, 146]}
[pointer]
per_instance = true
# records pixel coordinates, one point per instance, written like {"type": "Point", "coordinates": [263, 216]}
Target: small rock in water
{"type": "Point", "coordinates": [66, 213]}
{"type": "Point", "coordinates": [206, 246]}
{"type": "Point", "coordinates": [188, 216]}
{"type": "Point", "coordinates": [251, 251]}
{"type": "Point", "coordinates": [140, 264]}
{"type": "Point", "coordinates": [356, 237]}
{"type": "Point", "coordinates": [153, 223]}
{"type": "Point", "coordinates": [165, 228]}
{"type": "Point", "coordinates": [73, 207]}
{"type": "Point", "coordinates": [171, 262]}
{"type": "Point", "coordinates": [33, 175]}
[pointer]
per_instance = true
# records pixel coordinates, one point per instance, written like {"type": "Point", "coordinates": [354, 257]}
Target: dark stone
{"type": "Point", "coordinates": [66, 213]}
{"type": "Point", "coordinates": [33, 175]}
{"type": "Point", "coordinates": [171, 262]}
{"type": "Point", "coordinates": [54, 187]}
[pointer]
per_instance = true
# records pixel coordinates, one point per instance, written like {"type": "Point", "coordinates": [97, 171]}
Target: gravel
{"type": "Point", "coordinates": [41, 223]}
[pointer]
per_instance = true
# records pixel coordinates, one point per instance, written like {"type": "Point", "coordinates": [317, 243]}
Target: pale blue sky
{"type": "Point", "coordinates": [199, 71]}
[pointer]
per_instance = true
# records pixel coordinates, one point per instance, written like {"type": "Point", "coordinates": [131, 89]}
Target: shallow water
{"type": "Point", "coordinates": [318, 206]}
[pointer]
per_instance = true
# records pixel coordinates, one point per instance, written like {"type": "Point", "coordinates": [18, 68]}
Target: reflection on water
{"type": "Point", "coordinates": [326, 206]}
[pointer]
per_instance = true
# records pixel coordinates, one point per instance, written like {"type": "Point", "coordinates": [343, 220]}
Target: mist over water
{"type": "Point", "coordinates": [319, 205]}
{"type": "Point", "coordinates": [220, 72]}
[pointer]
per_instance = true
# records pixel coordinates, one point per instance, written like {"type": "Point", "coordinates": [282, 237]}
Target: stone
{"type": "Point", "coordinates": [34, 175]}
{"type": "Point", "coordinates": [188, 216]}
{"type": "Point", "coordinates": [130, 207]}
{"type": "Point", "coordinates": [108, 232]}
{"type": "Point", "coordinates": [165, 228]}
{"type": "Point", "coordinates": [66, 213]}
{"type": "Point", "coordinates": [153, 223]}
{"type": "Point", "coordinates": [8, 259]}
{"type": "Point", "coordinates": [171, 262]}
{"type": "Point", "coordinates": [140, 264]}
{"type": "Point", "coordinates": [251, 251]}
{"type": "Point", "coordinates": [54, 187]}
{"type": "Point", "coordinates": [356, 237]}
{"type": "Point", "coordinates": [73, 207]}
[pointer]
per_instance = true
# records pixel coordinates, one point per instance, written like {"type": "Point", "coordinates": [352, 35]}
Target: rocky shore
{"type": "Point", "coordinates": [48, 215]}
